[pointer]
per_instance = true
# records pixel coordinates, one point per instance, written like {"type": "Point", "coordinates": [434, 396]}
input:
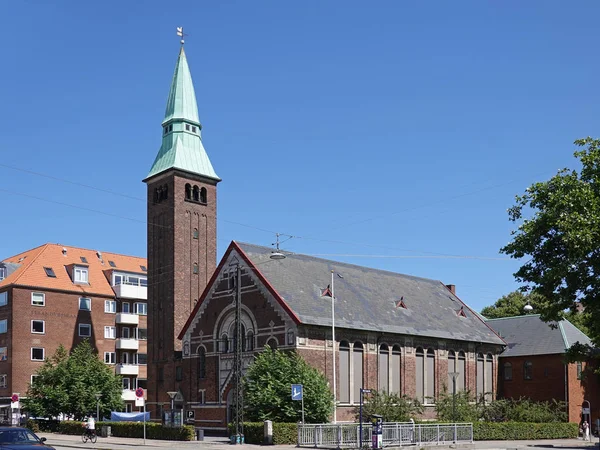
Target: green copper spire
{"type": "Point", "coordinates": [182, 142]}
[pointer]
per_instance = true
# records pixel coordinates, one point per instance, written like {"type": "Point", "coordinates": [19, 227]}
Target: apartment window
{"type": "Point", "coordinates": [140, 308]}
{"type": "Point", "coordinates": [38, 326]}
{"type": "Point", "coordinates": [3, 325]}
{"type": "Point", "coordinates": [2, 273]}
{"type": "Point", "coordinates": [80, 274]}
{"type": "Point", "coordinates": [110, 357]}
{"type": "Point", "coordinates": [3, 353]}
{"type": "Point", "coordinates": [38, 299]}
{"type": "Point", "coordinates": [85, 304]}
{"type": "Point", "coordinates": [125, 307]}
{"type": "Point", "coordinates": [141, 334]}
{"type": "Point", "coordinates": [85, 330]}
{"type": "Point", "coordinates": [579, 370]}
{"type": "Point", "coordinates": [507, 371]}
{"type": "Point", "coordinates": [528, 370]}
{"type": "Point", "coordinates": [37, 354]}
{"type": "Point", "coordinates": [141, 359]}
{"type": "Point", "coordinates": [126, 384]}
{"type": "Point", "coordinates": [33, 378]}
{"type": "Point", "coordinates": [110, 333]}
{"type": "Point", "coordinates": [118, 279]}
{"type": "Point", "coordinates": [3, 298]}
{"type": "Point", "coordinates": [110, 306]}
{"type": "Point", "coordinates": [3, 382]}
{"type": "Point", "coordinates": [49, 272]}
{"type": "Point", "coordinates": [141, 383]}
{"type": "Point", "coordinates": [125, 333]}
{"type": "Point", "coordinates": [178, 373]}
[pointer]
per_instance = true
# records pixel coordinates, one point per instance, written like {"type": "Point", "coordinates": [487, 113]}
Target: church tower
{"type": "Point", "coordinates": [182, 232]}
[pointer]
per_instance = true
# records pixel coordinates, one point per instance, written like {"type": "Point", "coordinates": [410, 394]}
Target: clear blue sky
{"type": "Point", "coordinates": [387, 128]}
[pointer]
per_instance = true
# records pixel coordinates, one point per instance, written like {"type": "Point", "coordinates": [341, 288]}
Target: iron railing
{"type": "Point", "coordinates": [347, 435]}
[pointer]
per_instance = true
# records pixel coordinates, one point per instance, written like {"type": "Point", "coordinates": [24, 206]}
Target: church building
{"type": "Point", "coordinates": [393, 332]}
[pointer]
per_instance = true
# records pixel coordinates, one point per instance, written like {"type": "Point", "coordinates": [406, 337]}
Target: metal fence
{"type": "Point", "coordinates": [347, 435]}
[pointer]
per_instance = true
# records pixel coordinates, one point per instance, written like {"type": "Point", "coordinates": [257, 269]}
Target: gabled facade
{"type": "Point", "coordinates": [393, 332]}
{"type": "Point", "coordinates": [533, 364]}
{"type": "Point", "coordinates": [53, 295]}
{"type": "Point", "coordinates": [182, 198]}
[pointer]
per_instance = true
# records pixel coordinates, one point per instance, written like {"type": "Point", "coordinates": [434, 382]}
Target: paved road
{"type": "Point", "coordinates": [66, 442]}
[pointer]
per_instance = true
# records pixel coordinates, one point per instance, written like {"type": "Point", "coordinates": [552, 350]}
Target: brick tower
{"type": "Point", "coordinates": [182, 233]}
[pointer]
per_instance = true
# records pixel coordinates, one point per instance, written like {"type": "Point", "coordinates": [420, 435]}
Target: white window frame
{"type": "Point", "coordinates": [126, 333]}
{"type": "Point", "coordinates": [35, 299]}
{"type": "Point", "coordinates": [110, 332]}
{"type": "Point", "coordinates": [43, 353]}
{"type": "Point", "coordinates": [2, 273]}
{"type": "Point", "coordinates": [3, 326]}
{"type": "Point", "coordinates": [80, 274]}
{"type": "Point", "coordinates": [140, 308]}
{"type": "Point", "coordinates": [137, 360]}
{"type": "Point", "coordinates": [126, 383]}
{"type": "Point", "coordinates": [43, 326]}
{"type": "Point", "coordinates": [111, 357]}
{"type": "Point", "coordinates": [137, 334]}
{"type": "Point", "coordinates": [3, 380]}
{"type": "Point", "coordinates": [33, 377]}
{"type": "Point", "coordinates": [4, 298]}
{"type": "Point", "coordinates": [89, 327]}
{"type": "Point", "coordinates": [110, 306]}
{"type": "Point", "coordinates": [89, 303]}
{"type": "Point", "coordinates": [126, 306]}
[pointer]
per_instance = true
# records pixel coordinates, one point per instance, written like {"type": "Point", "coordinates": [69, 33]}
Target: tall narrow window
{"type": "Point", "coordinates": [195, 233]}
{"type": "Point", "coordinates": [224, 343]}
{"type": "Point", "coordinates": [460, 381]}
{"type": "Point", "coordinates": [203, 195]}
{"type": "Point", "coordinates": [201, 363]}
{"type": "Point", "coordinates": [528, 370]}
{"type": "Point", "coordinates": [395, 368]}
{"type": "Point", "coordinates": [579, 370]}
{"type": "Point", "coordinates": [344, 375]}
{"type": "Point", "coordinates": [507, 371]}
{"type": "Point", "coordinates": [479, 375]}
{"type": "Point", "coordinates": [357, 363]}
{"type": "Point", "coordinates": [195, 268]}
{"type": "Point", "coordinates": [430, 377]}
{"type": "Point", "coordinates": [420, 374]}
{"type": "Point", "coordinates": [489, 371]}
{"type": "Point", "coordinates": [250, 341]}
{"type": "Point", "coordinates": [384, 368]}
{"type": "Point", "coordinates": [188, 191]}
{"type": "Point", "coordinates": [451, 369]}
{"type": "Point", "coordinates": [196, 194]}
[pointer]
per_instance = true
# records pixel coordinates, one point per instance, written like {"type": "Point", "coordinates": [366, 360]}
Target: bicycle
{"type": "Point", "coordinates": [89, 435]}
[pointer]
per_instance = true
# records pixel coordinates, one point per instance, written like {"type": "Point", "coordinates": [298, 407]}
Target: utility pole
{"type": "Point", "coordinates": [237, 365]}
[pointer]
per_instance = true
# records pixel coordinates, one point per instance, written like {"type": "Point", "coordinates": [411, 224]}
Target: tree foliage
{"type": "Point", "coordinates": [558, 234]}
{"type": "Point", "coordinates": [267, 389]}
{"type": "Point", "coordinates": [392, 407]}
{"type": "Point", "coordinates": [68, 384]}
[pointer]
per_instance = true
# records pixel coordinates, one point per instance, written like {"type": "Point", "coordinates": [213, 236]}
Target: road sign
{"type": "Point", "coordinates": [139, 392]}
{"type": "Point", "coordinates": [297, 393]}
{"type": "Point", "coordinates": [585, 410]}
{"type": "Point", "coordinates": [139, 401]}
{"type": "Point", "coordinates": [190, 414]}
{"type": "Point", "coordinates": [14, 398]}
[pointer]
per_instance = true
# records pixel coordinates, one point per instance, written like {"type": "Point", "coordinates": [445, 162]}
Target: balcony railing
{"type": "Point", "coordinates": [127, 344]}
{"type": "Point", "coordinates": [127, 319]}
{"type": "Point", "coordinates": [127, 369]}
{"type": "Point", "coordinates": [131, 291]}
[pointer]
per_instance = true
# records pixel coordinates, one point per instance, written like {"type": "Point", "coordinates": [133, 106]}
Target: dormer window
{"type": "Point", "coordinates": [187, 127]}
{"type": "Point", "coordinates": [193, 129]}
{"type": "Point", "coordinates": [80, 274]}
{"type": "Point", "coordinates": [2, 273]}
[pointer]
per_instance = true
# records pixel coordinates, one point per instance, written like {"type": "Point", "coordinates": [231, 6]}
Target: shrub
{"type": "Point", "coordinates": [134, 430]}
{"type": "Point", "coordinates": [524, 410]}
{"type": "Point", "coordinates": [391, 407]}
{"type": "Point", "coordinates": [285, 433]}
{"type": "Point", "coordinates": [485, 431]}
{"type": "Point", "coordinates": [458, 408]}
{"type": "Point", "coordinates": [253, 432]}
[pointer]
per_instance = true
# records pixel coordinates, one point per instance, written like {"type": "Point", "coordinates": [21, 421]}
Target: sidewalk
{"type": "Point", "coordinates": [222, 443]}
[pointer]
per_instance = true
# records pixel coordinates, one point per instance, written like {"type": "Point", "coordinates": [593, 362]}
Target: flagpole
{"type": "Point", "coordinates": [333, 351]}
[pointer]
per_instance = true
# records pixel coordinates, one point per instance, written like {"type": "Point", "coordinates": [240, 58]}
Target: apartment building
{"type": "Point", "coordinates": [55, 294]}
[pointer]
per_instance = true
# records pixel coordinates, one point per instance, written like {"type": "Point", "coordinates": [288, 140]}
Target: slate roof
{"type": "Point", "coordinates": [528, 335]}
{"type": "Point", "coordinates": [367, 298]}
{"type": "Point", "coordinates": [30, 271]}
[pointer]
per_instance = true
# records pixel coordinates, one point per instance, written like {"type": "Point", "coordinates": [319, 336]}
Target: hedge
{"type": "Point", "coordinates": [134, 430]}
{"type": "Point", "coordinates": [501, 431]}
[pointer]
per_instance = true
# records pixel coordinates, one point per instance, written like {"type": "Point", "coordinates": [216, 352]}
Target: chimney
{"type": "Point", "coordinates": [64, 251]}
{"type": "Point", "coordinates": [452, 288]}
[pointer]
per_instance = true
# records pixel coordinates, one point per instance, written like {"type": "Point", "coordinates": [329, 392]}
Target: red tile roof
{"type": "Point", "coordinates": [32, 263]}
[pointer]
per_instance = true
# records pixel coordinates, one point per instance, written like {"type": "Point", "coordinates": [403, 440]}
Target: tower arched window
{"type": "Point", "coordinates": [196, 194]}
{"type": "Point", "coordinates": [203, 195]}
{"type": "Point", "coordinates": [249, 341]}
{"type": "Point", "coordinates": [188, 191]}
{"type": "Point", "coordinates": [195, 233]}
{"type": "Point", "coordinates": [165, 191]}
{"type": "Point", "coordinates": [196, 268]}
{"type": "Point", "coordinates": [224, 343]}
{"type": "Point", "coordinates": [201, 363]}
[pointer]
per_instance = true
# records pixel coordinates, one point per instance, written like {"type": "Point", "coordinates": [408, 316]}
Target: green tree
{"type": "Point", "coordinates": [267, 389]}
{"type": "Point", "coordinates": [511, 305]}
{"type": "Point", "coordinates": [459, 408]}
{"type": "Point", "coordinates": [392, 407]}
{"type": "Point", "coordinates": [68, 384]}
{"type": "Point", "coordinates": [558, 234]}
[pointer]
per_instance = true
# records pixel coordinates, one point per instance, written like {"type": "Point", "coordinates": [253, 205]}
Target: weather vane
{"type": "Point", "coordinates": [181, 33]}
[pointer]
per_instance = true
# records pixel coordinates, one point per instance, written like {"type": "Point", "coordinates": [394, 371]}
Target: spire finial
{"type": "Point", "coordinates": [182, 34]}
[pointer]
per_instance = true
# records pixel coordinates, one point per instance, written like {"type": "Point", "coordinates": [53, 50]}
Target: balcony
{"type": "Point", "coordinates": [127, 369]}
{"type": "Point", "coordinates": [127, 344]}
{"type": "Point", "coordinates": [127, 319]}
{"type": "Point", "coordinates": [131, 291]}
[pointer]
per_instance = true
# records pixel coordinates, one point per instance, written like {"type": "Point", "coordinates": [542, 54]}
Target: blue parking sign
{"type": "Point", "coordinates": [297, 392]}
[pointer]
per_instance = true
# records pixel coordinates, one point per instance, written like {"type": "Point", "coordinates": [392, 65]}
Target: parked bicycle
{"type": "Point", "coordinates": [89, 435]}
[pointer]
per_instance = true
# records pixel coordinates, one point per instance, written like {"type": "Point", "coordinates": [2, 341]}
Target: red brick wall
{"type": "Point", "coordinates": [548, 379]}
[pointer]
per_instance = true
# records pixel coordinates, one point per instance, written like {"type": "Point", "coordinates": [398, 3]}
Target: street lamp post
{"type": "Point", "coordinates": [333, 350]}
{"type": "Point", "coordinates": [98, 397]}
{"type": "Point", "coordinates": [454, 375]}
{"type": "Point", "coordinates": [172, 395]}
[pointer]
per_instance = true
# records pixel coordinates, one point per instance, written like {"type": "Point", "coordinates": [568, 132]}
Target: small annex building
{"type": "Point", "coordinates": [533, 364]}
{"type": "Point", "coordinates": [393, 332]}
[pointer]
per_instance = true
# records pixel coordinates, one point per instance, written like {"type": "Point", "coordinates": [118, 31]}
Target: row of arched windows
{"type": "Point", "coordinates": [195, 194]}
{"type": "Point", "coordinates": [161, 193]}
